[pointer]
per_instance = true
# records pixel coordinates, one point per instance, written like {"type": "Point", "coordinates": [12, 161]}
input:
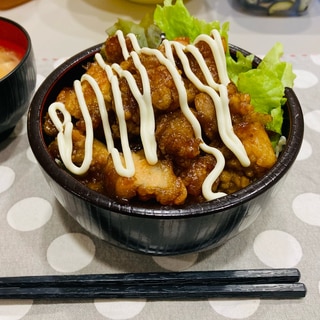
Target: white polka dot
{"type": "Point", "coordinates": [277, 249]}
{"type": "Point", "coordinates": [29, 214]}
{"type": "Point", "coordinates": [119, 309]}
{"type": "Point", "coordinates": [235, 309]}
{"type": "Point", "coordinates": [71, 252]}
{"type": "Point", "coordinates": [31, 156]}
{"type": "Point", "coordinates": [312, 120]}
{"type": "Point", "coordinates": [14, 309]}
{"type": "Point", "coordinates": [305, 151]}
{"type": "Point", "coordinates": [315, 58]}
{"type": "Point", "coordinates": [7, 178]}
{"type": "Point", "coordinates": [176, 263]}
{"type": "Point", "coordinates": [305, 79]}
{"type": "Point", "coordinates": [306, 208]}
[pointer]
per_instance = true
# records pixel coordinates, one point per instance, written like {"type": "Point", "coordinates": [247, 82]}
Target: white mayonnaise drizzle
{"type": "Point", "coordinates": [65, 128]}
{"type": "Point", "coordinates": [217, 91]}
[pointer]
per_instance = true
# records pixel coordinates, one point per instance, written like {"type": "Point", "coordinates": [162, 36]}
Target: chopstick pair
{"type": "Point", "coordinates": [254, 283]}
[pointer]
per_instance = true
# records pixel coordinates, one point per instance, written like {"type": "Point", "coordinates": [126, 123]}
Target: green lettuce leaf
{"type": "Point", "coordinates": [266, 92]}
{"type": "Point", "coordinates": [282, 69]}
{"type": "Point", "coordinates": [126, 27]}
{"type": "Point", "coordinates": [239, 65]}
{"type": "Point", "coordinates": [176, 21]}
{"type": "Point", "coordinates": [147, 33]}
{"type": "Point", "coordinates": [265, 84]}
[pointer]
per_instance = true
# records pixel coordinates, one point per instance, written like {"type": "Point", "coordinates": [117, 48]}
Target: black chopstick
{"type": "Point", "coordinates": [164, 292]}
{"type": "Point", "coordinates": [254, 283]}
{"type": "Point", "coordinates": [250, 276]}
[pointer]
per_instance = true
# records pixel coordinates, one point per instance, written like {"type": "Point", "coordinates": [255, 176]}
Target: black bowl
{"type": "Point", "coordinates": [162, 230]}
{"type": "Point", "coordinates": [17, 87]}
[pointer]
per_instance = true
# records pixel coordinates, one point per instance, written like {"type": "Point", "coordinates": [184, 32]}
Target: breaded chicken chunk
{"type": "Point", "coordinates": [175, 136]}
{"type": "Point", "coordinates": [149, 182]}
{"type": "Point", "coordinates": [94, 177]}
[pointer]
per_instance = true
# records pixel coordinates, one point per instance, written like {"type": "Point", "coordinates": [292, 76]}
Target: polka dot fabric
{"type": "Point", "coordinates": [38, 237]}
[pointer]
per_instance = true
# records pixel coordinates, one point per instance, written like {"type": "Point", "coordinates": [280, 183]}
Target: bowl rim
{"type": "Point", "coordinates": [28, 49]}
{"type": "Point", "coordinates": [76, 188]}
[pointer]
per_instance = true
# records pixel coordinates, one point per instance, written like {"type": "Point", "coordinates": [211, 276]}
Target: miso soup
{"type": "Point", "coordinates": [9, 59]}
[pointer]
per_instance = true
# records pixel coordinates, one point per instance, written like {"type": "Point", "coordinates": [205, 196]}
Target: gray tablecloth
{"type": "Point", "coordinates": [38, 237]}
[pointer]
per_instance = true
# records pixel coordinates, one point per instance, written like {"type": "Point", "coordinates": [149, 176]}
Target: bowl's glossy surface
{"type": "Point", "coordinates": [161, 230]}
{"type": "Point", "coordinates": [16, 87]}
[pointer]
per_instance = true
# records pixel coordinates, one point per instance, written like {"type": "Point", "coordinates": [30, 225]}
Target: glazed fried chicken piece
{"type": "Point", "coordinates": [193, 173]}
{"type": "Point", "coordinates": [231, 181]}
{"type": "Point", "coordinates": [68, 97]}
{"type": "Point", "coordinates": [130, 108]}
{"type": "Point", "coordinates": [94, 177]}
{"type": "Point", "coordinates": [175, 136]}
{"type": "Point", "coordinates": [209, 60]}
{"type": "Point", "coordinates": [112, 49]}
{"type": "Point", "coordinates": [176, 140]}
{"type": "Point", "coordinates": [164, 94]}
{"type": "Point", "coordinates": [163, 91]}
{"type": "Point", "coordinates": [206, 115]}
{"type": "Point", "coordinates": [258, 146]}
{"type": "Point", "coordinates": [260, 152]}
{"type": "Point", "coordinates": [149, 182]}
{"type": "Point", "coordinates": [249, 126]}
